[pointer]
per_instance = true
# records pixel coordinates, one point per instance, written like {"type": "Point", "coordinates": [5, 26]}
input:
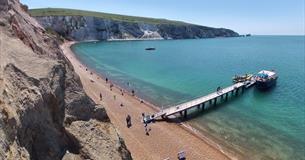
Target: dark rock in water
{"type": "Point", "coordinates": [150, 49]}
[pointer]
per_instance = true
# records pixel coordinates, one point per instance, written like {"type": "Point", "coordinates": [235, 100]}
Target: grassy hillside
{"type": "Point", "coordinates": [116, 17]}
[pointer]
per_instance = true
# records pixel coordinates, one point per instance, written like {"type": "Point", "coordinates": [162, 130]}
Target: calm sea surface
{"type": "Point", "coordinates": [261, 125]}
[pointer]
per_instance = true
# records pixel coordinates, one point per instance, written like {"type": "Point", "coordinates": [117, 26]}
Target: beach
{"type": "Point", "coordinates": [165, 139]}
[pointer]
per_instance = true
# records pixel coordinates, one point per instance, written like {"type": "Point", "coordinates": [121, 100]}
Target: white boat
{"type": "Point", "coordinates": [265, 79]}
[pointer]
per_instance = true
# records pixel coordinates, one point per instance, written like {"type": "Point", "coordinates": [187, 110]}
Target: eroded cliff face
{"type": "Point", "coordinates": [44, 112]}
{"type": "Point", "coordinates": [82, 28]}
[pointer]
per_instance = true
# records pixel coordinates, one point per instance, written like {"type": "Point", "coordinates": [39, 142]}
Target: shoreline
{"type": "Point", "coordinates": [154, 107]}
{"type": "Point", "coordinates": [192, 133]}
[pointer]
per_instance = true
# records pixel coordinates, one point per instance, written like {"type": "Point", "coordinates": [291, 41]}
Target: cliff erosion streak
{"type": "Point", "coordinates": [84, 25]}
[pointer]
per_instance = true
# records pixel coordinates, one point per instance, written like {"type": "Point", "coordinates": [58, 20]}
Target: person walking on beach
{"type": "Point", "coordinates": [106, 80]}
{"type": "Point", "coordinates": [114, 97]}
{"type": "Point", "coordinates": [133, 92]}
{"type": "Point", "coordinates": [111, 85]}
{"type": "Point", "coordinates": [128, 121]}
{"type": "Point", "coordinates": [143, 116]}
{"type": "Point", "coordinates": [146, 131]}
{"type": "Point", "coordinates": [181, 155]}
{"type": "Point", "coordinates": [101, 97]}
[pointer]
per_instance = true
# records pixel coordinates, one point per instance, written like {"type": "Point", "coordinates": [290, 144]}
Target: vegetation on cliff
{"type": "Point", "coordinates": [115, 17]}
{"type": "Point", "coordinates": [85, 25]}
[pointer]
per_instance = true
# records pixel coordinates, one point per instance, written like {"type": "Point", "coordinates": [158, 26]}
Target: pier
{"type": "Point", "coordinates": [211, 99]}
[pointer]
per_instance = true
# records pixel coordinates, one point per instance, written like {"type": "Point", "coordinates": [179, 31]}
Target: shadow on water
{"type": "Point", "coordinates": [258, 93]}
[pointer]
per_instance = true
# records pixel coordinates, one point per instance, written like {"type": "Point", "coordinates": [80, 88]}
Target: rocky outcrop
{"type": "Point", "coordinates": [97, 137]}
{"type": "Point", "coordinates": [94, 28]}
{"type": "Point", "coordinates": [44, 112]}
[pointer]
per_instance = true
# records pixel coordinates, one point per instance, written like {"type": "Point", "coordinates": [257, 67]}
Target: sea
{"type": "Point", "coordinates": [258, 125]}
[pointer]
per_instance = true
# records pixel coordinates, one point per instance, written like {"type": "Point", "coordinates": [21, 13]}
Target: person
{"type": "Point", "coordinates": [106, 80]}
{"type": "Point", "coordinates": [181, 155]}
{"type": "Point", "coordinates": [101, 97]}
{"type": "Point", "coordinates": [218, 89]}
{"type": "Point", "coordinates": [133, 92]}
{"type": "Point", "coordinates": [145, 124]}
{"type": "Point", "coordinates": [114, 97]}
{"type": "Point", "coordinates": [128, 121]}
{"type": "Point", "coordinates": [143, 116]}
{"type": "Point", "coordinates": [146, 131]}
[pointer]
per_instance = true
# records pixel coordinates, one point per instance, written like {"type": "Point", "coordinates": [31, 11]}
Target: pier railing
{"type": "Point", "coordinates": [200, 101]}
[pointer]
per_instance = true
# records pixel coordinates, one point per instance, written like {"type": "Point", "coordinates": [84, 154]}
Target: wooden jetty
{"type": "Point", "coordinates": [200, 102]}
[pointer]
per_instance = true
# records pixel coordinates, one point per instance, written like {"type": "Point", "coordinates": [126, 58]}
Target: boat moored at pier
{"type": "Point", "coordinates": [265, 79]}
{"type": "Point", "coordinates": [242, 78]}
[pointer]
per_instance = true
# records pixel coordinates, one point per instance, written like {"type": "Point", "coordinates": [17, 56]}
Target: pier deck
{"type": "Point", "coordinates": [202, 100]}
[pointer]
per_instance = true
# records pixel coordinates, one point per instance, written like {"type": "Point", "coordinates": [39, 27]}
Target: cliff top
{"type": "Point", "coordinates": [116, 17]}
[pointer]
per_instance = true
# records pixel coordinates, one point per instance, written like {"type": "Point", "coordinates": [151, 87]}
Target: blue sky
{"type": "Point", "coordinates": [262, 17]}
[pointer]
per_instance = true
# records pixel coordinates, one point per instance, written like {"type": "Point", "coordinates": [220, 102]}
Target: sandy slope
{"type": "Point", "coordinates": [165, 139]}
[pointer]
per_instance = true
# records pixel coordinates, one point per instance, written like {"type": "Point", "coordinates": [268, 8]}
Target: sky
{"type": "Point", "coordinates": [258, 17]}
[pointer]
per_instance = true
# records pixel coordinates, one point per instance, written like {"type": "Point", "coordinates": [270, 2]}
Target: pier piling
{"type": "Point", "coordinates": [236, 92]}
{"type": "Point", "coordinates": [227, 96]}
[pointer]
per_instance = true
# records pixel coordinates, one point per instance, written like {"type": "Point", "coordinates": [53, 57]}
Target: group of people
{"type": "Point", "coordinates": [146, 128]}
{"type": "Point", "coordinates": [128, 117]}
{"type": "Point", "coordinates": [181, 155]}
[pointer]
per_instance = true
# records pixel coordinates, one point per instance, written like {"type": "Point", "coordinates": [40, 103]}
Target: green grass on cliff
{"type": "Point", "coordinates": [116, 17]}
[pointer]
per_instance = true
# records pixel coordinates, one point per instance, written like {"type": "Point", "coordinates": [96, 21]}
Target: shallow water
{"type": "Point", "coordinates": [261, 125]}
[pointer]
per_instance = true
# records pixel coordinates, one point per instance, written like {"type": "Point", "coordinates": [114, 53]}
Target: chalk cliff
{"type": "Point", "coordinates": [44, 111]}
{"type": "Point", "coordinates": [78, 27]}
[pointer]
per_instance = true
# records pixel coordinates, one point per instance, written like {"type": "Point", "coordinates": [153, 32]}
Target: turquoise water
{"type": "Point", "coordinates": [259, 125]}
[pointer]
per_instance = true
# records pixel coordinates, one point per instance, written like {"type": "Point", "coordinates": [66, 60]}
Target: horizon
{"type": "Point", "coordinates": [233, 16]}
